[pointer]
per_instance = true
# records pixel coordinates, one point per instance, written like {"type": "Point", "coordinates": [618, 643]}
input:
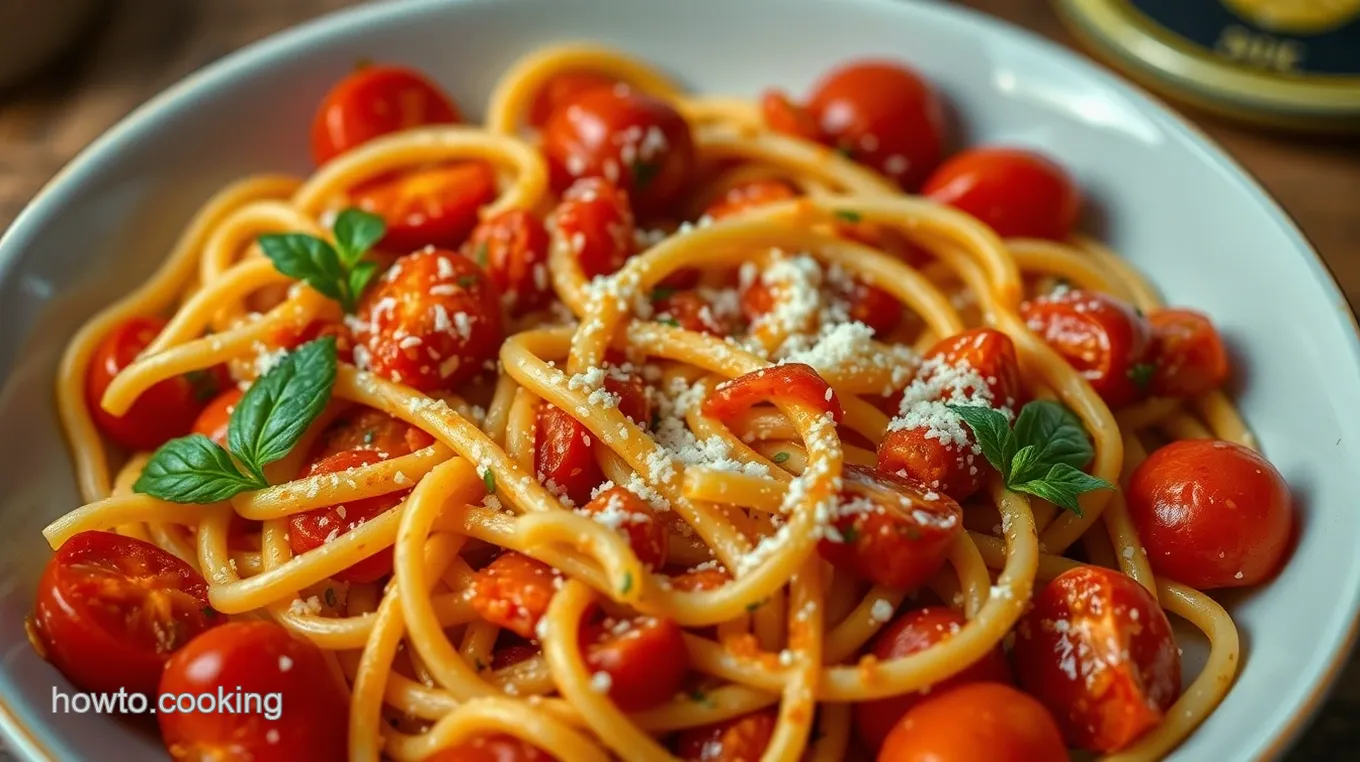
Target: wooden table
{"type": "Point", "coordinates": [140, 46]}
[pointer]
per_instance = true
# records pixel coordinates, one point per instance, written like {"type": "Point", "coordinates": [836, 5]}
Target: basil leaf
{"type": "Point", "coordinates": [192, 469]}
{"type": "Point", "coordinates": [1026, 465]}
{"type": "Point", "coordinates": [1141, 375]}
{"type": "Point", "coordinates": [1057, 433]}
{"type": "Point", "coordinates": [992, 432]}
{"type": "Point", "coordinates": [1062, 485]}
{"type": "Point", "coordinates": [359, 277]}
{"type": "Point", "coordinates": [279, 406]}
{"type": "Point", "coordinates": [356, 231]}
{"type": "Point", "coordinates": [308, 259]}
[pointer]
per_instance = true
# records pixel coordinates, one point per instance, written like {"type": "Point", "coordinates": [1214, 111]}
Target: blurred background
{"type": "Point", "coordinates": [80, 65]}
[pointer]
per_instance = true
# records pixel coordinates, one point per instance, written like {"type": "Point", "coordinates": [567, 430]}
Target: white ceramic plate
{"type": "Point", "coordinates": [1161, 194]}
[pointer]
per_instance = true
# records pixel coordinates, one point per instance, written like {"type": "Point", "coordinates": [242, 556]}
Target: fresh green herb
{"type": "Point", "coordinates": [489, 479]}
{"type": "Point", "coordinates": [1139, 312]}
{"type": "Point", "coordinates": [265, 426]}
{"type": "Point", "coordinates": [467, 281]}
{"type": "Point", "coordinates": [753, 606]}
{"type": "Point", "coordinates": [644, 172]}
{"type": "Point", "coordinates": [483, 254]}
{"type": "Point", "coordinates": [1141, 374]}
{"type": "Point", "coordinates": [780, 457]}
{"type": "Point", "coordinates": [661, 294]}
{"type": "Point", "coordinates": [699, 697]}
{"type": "Point", "coordinates": [331, 600]}
{"type": "Point", "coordinates": [1042, 456]}
{"type": "Point", "coordinates": [849, 215]}
{"type": "Point", "coordinates": [339, 271]}
{"type": "Point", "coordinates": [849, 534]}
{"type": "Point", "coordinates": [627, 583]}
{"type": "Point", "coordinates": [672, 322]}
{"type": "Point", "coordinates": [203, 384]}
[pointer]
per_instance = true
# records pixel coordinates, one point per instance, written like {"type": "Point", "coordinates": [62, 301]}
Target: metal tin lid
{"type": "Point", "coordinates": [1287, 63]}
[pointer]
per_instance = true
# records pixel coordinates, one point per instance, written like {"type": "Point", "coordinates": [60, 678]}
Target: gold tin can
{"type": "Point", "coordinates": [1282, 63]}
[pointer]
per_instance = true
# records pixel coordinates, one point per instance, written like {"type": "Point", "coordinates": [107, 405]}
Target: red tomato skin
{"type": "Point", "coordinates": [748, 196]}
{"type": "Point", "coordinates": [631, 139]}
{"type": "Point", "coordinates": [791, 382]}
{"type": "Point", "coordinates": [950, 468]}
{"type": "Point", "coordinates": [513, 592]}
{"type": "Point", "coordinates": [596, 221]}
{"type": "Point", "coordinates": [512, 248]}
{"type": "Point", "coordinates": [373, 101]}
{"type": "Point", "coordinates": [562, 89]}
{"type": "Point", "coordinates": [910, 633]}
{"type": "Point", "coordinates": [883, 115]}
{"type": "Point", "coordinates": [740, 739]}
{"type": "Point", "coordinates": [312, 529]}
{"type": "Point", "coordinates": [84, 634]}
{"type": "Point", "coordinates": [989, 352]}
{"type": "Point", "coordinates": [255, 657]}
{"type": "Point", "coordinates": [428, 206]}
{"type": "Point", "coordinates": [871, 306]}
{"type": "Point", "coordinates": [363, 428]}
{"type": "Point", "coordinates": [1211, 514]}
{"type": "Point", "coordinates": [786, 117]}
{"type": "Point", "coordinates": [164, 411]}
{"type": "Point", "coordinates": [636, 520]}
{"type": "Point", "coordinates": [1098, 651]}
{"type": "Point", "coordinates": [1190, 355]}
{"type": "Point", "coordinates": [901, 546]}
{"type": "Point", "coordinates": [421, 296]}
{"type": "Point", "coordinates": [497, 748]}
{"type": "Point", "coordinates": [564, 455]}
{"type": "Point", "coordinates": [289, 337]}
{"type": "Point", "coordinates": [695, 580]}
{"type": "Point", "coordinates": [977, 722]}
{"type": "Point", "coordinates": [213, 421]}
{"type": "Point", "coordinates": [1018, 193]}
{"type": "Point", "coordinates": [692, 312]}
{"type": "Point", "coordinates": [646, 664]}
{"type": "Point", "coordinates": [1100, 336]}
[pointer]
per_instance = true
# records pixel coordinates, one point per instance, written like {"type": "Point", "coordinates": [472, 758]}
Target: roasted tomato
{"type": "Point", "coordinates": [991, 354]}
{"type": "Point", "coordinates": [373, 101]}
{"type": "Point", "coordinates": [314, 528]}
{"type": "Point", "coordinates": [111, 610]}
{"type": "Point", "coordinates": [1103, 338]}
{"type": "Point", "coordinates": [513, 592]}
{"type": "Point", "coordinates": [216, 417]}
{"type": "Point", "coordinates": [363, 428]}
{"type": "Point", "coordinates": [784, 116]}
{"type": "Point", "coordinates": [564, 448]}
{"type": "Point", "coordinates": [978, 722]}
{"type": "Point", "coordinates": [1189, 354]}
{"type": "Point", "coordinates": [298, 716]}
{"type": "Point", "coordinates": [289, 337]}
{"type": "Point", "coordinates": [631, 139]}
{"type": "Point", "coordinates": [1019, 193]}
{"type": "Point", "coordinates": [643, 660]}
{"type": "Point", "coordinates": [163, 412]}
{"type": "Point", "coordinates": [562, 89]}
{"type": "Point", "coordinates": [497, 748]}
{"type": "Point", "coordinates": [513, 249]}
{"type": "Point", "coordinates": [935, 460]}
{"type": "Point", "coordinates": [740, 739]}
{"type": "Point", "coordinates": [695, 580]}
{"type": "Point", "coordinates": [596, 221]}
{"type": "Point", "coordinates": [432, 322]}
{"type": "Point", "coordinates": [636, 520]}
{"type": "Point", "coordinates": [750, 195]}
{"type": "Point", "coordinates": [428, 206]}
{"type": "Point", "coordinates": [1211, 514]}
{"type": "Point", "coordinates": [890, 530]}
{"type": "Point", "coordinates": [792, 382]}
{"type": "Point", "coordinates": [1097, 650]}
{"type": "Point", "coordinates": [691, 311]}
{"type": "Point", "coordinates": [869, 305]}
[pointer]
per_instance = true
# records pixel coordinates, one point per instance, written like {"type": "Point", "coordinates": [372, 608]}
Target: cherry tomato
{"type": "Point", "coordinates": [261, 659]}
{"type": "Point", "coordinates": [692, 312]}
{"type": "Point", "coordinates": [636, 520]}
{"type": "Point", "coordinates": [163, 412]}
{"type": "Point", "coordinates": [1190, 355]}
{"type": "Point", "coordinates": [632, 394]}
{"type": "Point", "coordinates": [1103, 338]}
{"type": "Point", "coordinates": [564, 456]}
{"type": "Point", "coordinates": [1211, 514]}
{"type": "Point", "coordinates": [784, 116]}
{"type": "Point", "coordinates": [919, 453]}
{"type": "Point", "coordinates": [510, 655]}
{"type": "Point", "coordinates": [696, 580]}
{"type": "Point", "coordinates": [563, 88]}
{"type": "Point", "coordinates": [910, 633]}
{"type": "Point", "coordinates": [428, 206]}
{"type": "Point", "coordinates": [373, 101]}
{"type": "Point", "coordinates": [978, 722]}
{"type": "Point", "coordinates": [595, 219]}
{"type": "Point", "coordinates": [497, 748]}
{"type": "Point", "coordinates": [314, 528]}
{"type": "Point", "coordinates": [513, 592]}
{"type": "Point", "coordinates": [288, 337]}
{"type": "Point", "coordinates": [631, 139]}
{"type": "Point", "coordinates": [740, 739]}
{"type": "Point", "coordinates": [513, 249]}
{"type": "Point", "coordinates": [870, 305]}
{"type": "Point", "coordinates": [213, 421]}
{"type": "Point", "coordinates": [111, 610]}
{"type": "Point", "coordinates": [1096, 649]}
{"type": "Point", "coordinates": [432, 322]}
{"type": "Point", "coordinates": [991, 354]}
{"type": "Point", "coordinates": [899, 543]}
{"type": "Point", "coordinates": [645, 660]}
{"type": "Point", "coordinates": [1019, 193]}
{"type": "Point", "coordinates": [791, 382]}
{"type": "Point", "coordinates": [883, 115]}
{"type": "Point", "coordinates": [363, 428]}
{"type": "Point", "coordinates": [751, 195]}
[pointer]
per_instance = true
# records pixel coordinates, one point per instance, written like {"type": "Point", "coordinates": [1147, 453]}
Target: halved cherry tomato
{"type": "Point", "coordinates": [373, 101]}
{"type": "Point", "coordinates": [991, 354]}
{"type": "Point", "coordinates": [513, 592]}
{"type": "Point", "coordinates": [432, 322]}
{"type": "Point", "coordinates": [163, 412]}
{"type": "Point", "coordinates": [314, 528]}
{"type": "Point", "coordinates": [1189, 354]}
{"type": "Point", "coordinates": [564, 456]}
{"type": "Point", "coordinates": [902, 540]}
{"type": "Point", "coordinates": [910, 633]}
{"type": "Point", "coordinates": [631, 139]}
{"type": "Point", "coordinates": [740, 739]}
{"type": "Point", "coordinates": [870, 305]}
{"type": "Point", "coordinates": [497, 748]}
{"type": "Point", "coordinates": [215, 418]}
{"type": "Point", "coordinates": [636, 520]}
{"type": "Point", "coordinates": [784, 116]}
{"type": "Point", "coordinates": [111, 610]}
{"type": "Point", "coordinates": [428, 206]}
{"type": "Point", "coordinates": [1097, 650]}
{"type": "Point", "coordinates": [632, 394]}
{"type": "Point", "coordinates": [978, 722]}
{"type": "Point", "coordinates": [363, 428]}
{"type": "Point", "coordinates": [563, 88]}
{"type": "Point", "coordinates": [750, 195]}
{"type": "Point", "coordinates": [791, 382]}
{"type": "Point", "coordinates": [690, 311]}
{"type": "Point", "coordinates": [1103, 338]}
{"type": "Point", "coordinates": [1019, 193]}
{"type": "Point", "coordinates": [1211, 513]}
{"type": "Point", "coordinates": [921, 454]}
{"type": "Point", "coordinates": [646, 662]}
{"type": "Point", "coordinates": [258, 659]}
{"type": "Point", "coordinates": [596, 221]}
{"type": "Point", "coordinates": [513, 249]}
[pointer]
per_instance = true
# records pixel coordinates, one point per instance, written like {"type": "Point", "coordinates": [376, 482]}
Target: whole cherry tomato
{"type": "Point", "coordinates": [513, 592]}
{"type": "Point", "coordinates": [314, 528]}
{"type": "Point", "coordinates": [428, 206]}
{"type": "Point", "coordinates": [512, 248]}
{"type": "Point", "coordinates": [215, 418]}
{"type": "Point", "coordinates": [740, 739]}
{"type": "Point", "coordinates": [791, 382]}
{"type": "Point", "coordinates": [644, 660]}
{"type": "Point", "coordinates": [563, 88]}
{"type": "Point", "coordinates": [750, 195]}
{"type": "Point", "coordinates": [111, 610]}
{"type": "Point", "coordinates": [636, 520]}
{"type": "Point", "coordinates": [303, 709]}
{"type": "Point", "coordinates": [1103, 338]}
{"type": "Point", "coordinates": [497, 748]}
{"type": "Point", "coordinates": [1211, 514]}
{"type": "Point", "coordinates": [1097, 650]}
{"type": "Point", "coordinates": [373, 101]}
{"type": "Point", "coordinates": [1019, 193]}
{"type": "Point", "coordinates": [363, 428]}
{"type": "Point", "coordinates": [595, 219]}
{"type": "Point", "coordinates": [1189, 355]}
{"type": "Point", "coordinates": [978, 722]}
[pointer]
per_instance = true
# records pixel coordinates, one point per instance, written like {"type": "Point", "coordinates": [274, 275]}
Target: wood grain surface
{"type": "Point", "coordinates": [135, 48]}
